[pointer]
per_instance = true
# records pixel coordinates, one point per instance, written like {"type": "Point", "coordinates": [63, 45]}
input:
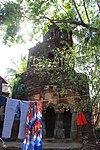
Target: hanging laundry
{"type": "Point", "coordinates": [2, 100]}
{"type": "Point", "coordinates": [24, 110]}
{"type": "Point", "coordinates": [10, 114]}
{"type": "Point", "coordinates": [9, 117]}
{"type": "Point", "coordinates": [18, 112]}
{"type": "Point", "coordinates": [33, 139]}
{"type": "Point", "coordinates": [81, 120]}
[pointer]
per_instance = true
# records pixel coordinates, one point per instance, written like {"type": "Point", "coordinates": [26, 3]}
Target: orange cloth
{"type": "Point", "coordinates": [81, 120]}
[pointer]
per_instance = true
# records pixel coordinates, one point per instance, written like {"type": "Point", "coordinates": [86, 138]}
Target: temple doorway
{"type": "Point", "coordinates": [50, 121]}
{"type": "Point", "coordinates": [67, 122]}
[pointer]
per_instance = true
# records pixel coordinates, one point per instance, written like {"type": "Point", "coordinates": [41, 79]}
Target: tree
{"type": "Point", "coordinates": [81, 16]}
{"type": "Point", "coordinates": [20, 67]}
{"type": "Point", "coordinates": [15, 82]}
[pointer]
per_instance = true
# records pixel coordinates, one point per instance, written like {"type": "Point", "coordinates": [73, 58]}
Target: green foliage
{"type": "Point", "coordinates": [61, 71]}
{"type": "Point", "coordinates": [97, 130]}
{"type": "Point", "coordinates": [18, 88]}
{"type": "Point", "coordinates": [10, 19]}
{"type": "Point", "coordinates": [67, 15]}
{"type": "Point", "coordinates": [16, 85]}
{"type": "Point", "coordinates": [23, 66]}
{"type": "Point", "coordinates": [19, 69]}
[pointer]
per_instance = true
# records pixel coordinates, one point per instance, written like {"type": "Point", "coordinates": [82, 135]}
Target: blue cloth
{"type": "Point", "coordinates": [2, 100]}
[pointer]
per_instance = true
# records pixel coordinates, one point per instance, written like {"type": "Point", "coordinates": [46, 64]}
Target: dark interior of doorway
{"type": "Point", "coordinates": [67, 122]}
{"type": "Point", "coordinates": [50, 121]}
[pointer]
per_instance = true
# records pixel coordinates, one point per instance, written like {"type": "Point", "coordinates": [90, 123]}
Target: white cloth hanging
{"type": "Point", "coordinates": [10, 111]}
{"type": "Point", "coordinates": [24, 109]}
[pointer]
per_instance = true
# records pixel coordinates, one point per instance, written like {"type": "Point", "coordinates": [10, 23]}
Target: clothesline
{"type": "Point", "coordinates": [54, 99]}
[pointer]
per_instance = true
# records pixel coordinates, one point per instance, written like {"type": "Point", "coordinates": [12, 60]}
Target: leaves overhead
{"type": "Point", "coordinates": [70, 14]}
{"type": "Point", "coordinates": [10, 16]}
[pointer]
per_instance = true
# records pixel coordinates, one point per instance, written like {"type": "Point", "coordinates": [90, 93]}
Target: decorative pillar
{"type": "Point", "coordinates": [73, 133]}
{"type": "Point", "coordinates": [59, 132]}
{"type": "Point", "coordinates": [43, 125]}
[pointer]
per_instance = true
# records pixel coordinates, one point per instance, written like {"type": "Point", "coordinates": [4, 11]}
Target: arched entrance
{"type": "Point", "coordinates": [67, 122]}
{"type": "Point", "coordinates": [50, 121]}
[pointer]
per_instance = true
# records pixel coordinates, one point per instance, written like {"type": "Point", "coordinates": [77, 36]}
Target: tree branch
{"type": "Point", "coordinates": [78, 23]}
{"type": "Point", "coordinates": [77, 11]}
{"type": "Point", "coordinates": [97, 119]}
{"type": "Point", "coordinates": [73, 22]}
{"type": "Point", "coordinates": [98, 3]}
{"type": "Point", "coordinates": [86, 12]}
{"type": "Point", "coordinates": [62, 8]}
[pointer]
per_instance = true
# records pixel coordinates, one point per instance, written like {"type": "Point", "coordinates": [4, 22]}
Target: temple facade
{"type": "Point", "coordinates": [59, 121]}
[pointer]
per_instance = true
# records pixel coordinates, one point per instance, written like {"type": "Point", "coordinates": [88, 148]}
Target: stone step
{"type": "Point", "coordinates": [62, 146]}
{"type": "Point", "coordinates": [57, 140]}
{"type": "Point", "coordinates": [57, 148]}
{"type": "Point", "coordinates": [51, 145]}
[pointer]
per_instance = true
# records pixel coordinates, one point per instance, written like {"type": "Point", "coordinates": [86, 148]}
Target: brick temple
{"type": "Point", "coordinates": [58, 122]}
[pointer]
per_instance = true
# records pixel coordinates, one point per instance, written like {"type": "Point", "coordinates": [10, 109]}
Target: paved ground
{"type": "Point", "coordinates": [52, 144]}
{"type": "Point", "coordinates": [49, 145]}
